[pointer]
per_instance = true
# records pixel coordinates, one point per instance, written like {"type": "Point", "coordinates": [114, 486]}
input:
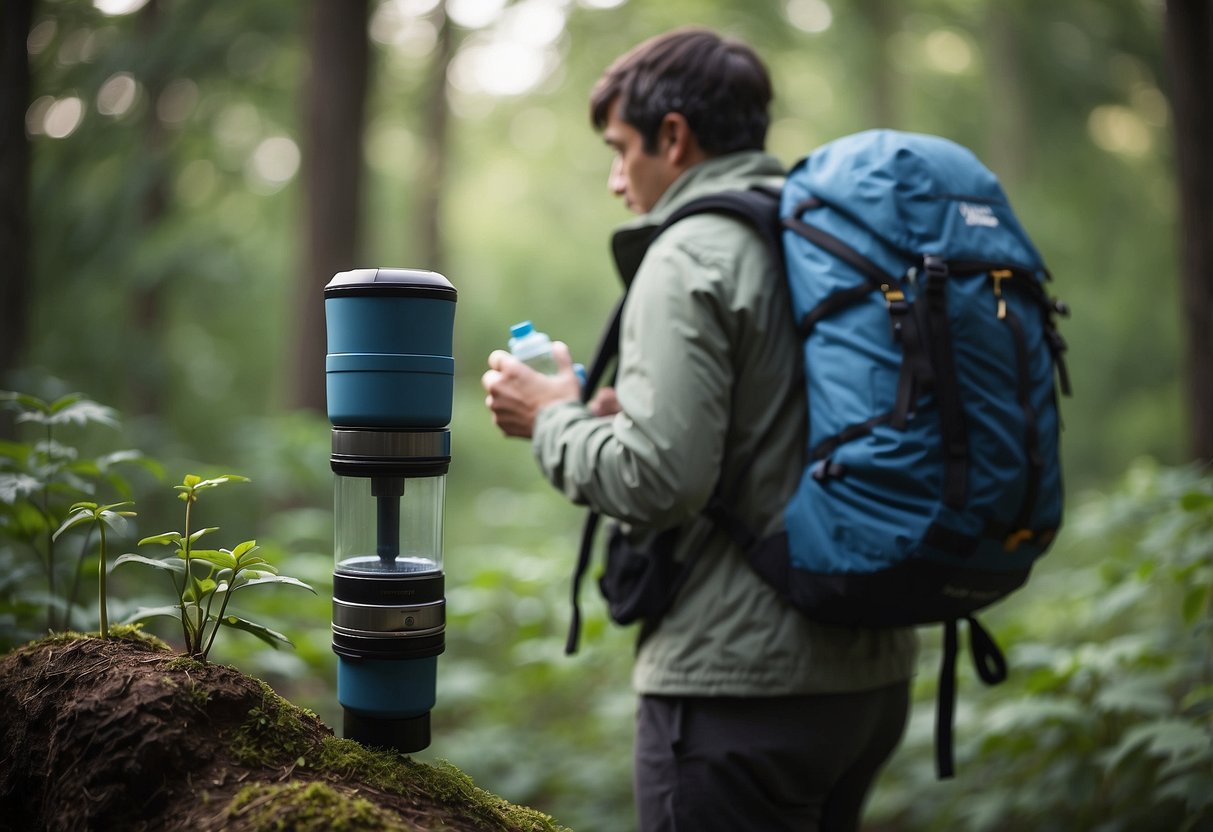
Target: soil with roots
{"type": "Point", "coordinates": [122, 734]}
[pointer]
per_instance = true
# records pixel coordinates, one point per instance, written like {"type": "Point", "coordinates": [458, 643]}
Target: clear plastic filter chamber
{"type": "Point", "coordinates": [389, 526]}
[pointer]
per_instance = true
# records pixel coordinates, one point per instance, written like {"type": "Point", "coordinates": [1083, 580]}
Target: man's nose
{"type": "Point", "coordinates": [615, 181]}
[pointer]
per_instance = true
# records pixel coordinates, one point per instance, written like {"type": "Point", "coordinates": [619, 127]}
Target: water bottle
{"type": "Point", "coordinates": [532, 348]}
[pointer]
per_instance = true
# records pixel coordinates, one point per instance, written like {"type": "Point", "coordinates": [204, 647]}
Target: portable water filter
{"type": "Point", "coordinates": [389, 372]}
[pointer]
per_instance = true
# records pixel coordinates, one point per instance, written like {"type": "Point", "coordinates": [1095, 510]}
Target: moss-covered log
{"type": "Point", "coordinates": [120, 733]}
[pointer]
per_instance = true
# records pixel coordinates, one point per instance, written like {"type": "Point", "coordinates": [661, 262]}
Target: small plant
{"type": "Point", "coordinates": [202, 576]}
{"type": "Point", "coordinates": [40, 480]}
{"type": "Point", "coordinates": [101, 516]}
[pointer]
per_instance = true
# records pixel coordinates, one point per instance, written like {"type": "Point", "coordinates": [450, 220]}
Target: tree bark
{"type": "Point", "coordinates": [15, 265]}
{"type": "Point", "coordinates": [1189, 48]}
{"type": "Point", "coordinates": [878, 17]}
{"type": "Point", "coordinates": [332, 174]}
{"type": "Point", "coordinates": [1010, 118]}
{"type": "Point", "coordinates": [431, 179]}
{"type": "Point", "coordinates": [147, 301]}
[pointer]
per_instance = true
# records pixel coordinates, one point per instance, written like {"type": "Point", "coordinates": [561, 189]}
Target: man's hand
{"type": "Point", "coordinates": [516, 393]}
{"type": "Point", "coordinates": [604, 402]}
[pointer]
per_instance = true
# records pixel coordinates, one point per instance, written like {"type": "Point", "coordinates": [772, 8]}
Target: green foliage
{"type": "Point", "coordinates": [208, 574]}
{"type": "Point", "coordinates": [42, 483]}
{"type": "Point", "coordinates": [1107, 720]}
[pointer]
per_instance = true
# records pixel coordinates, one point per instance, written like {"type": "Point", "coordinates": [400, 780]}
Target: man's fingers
{"type": "Point", "coordinates": [564, 359]}
{"type": "Point", "coordinates": [500, 359]}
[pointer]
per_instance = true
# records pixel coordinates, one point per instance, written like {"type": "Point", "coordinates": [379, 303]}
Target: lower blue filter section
{"type": "Point", "coordinates": [387, 689]}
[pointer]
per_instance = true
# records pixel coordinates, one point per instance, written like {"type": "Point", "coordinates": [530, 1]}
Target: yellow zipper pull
{"type": "Point", "coordinates": [998, 276]}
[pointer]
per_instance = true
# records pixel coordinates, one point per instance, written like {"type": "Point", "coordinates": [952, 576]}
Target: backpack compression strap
{"type": "Point", "coordinates": [991, 667]}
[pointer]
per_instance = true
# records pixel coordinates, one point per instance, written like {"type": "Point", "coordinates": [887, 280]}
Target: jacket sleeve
{"type": "Point", "coordinates": [656, 463]}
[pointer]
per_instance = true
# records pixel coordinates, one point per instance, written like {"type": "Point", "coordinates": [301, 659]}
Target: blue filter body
{"type": "Point", "coordinates": [387, 689]}
{"type": "Point", "coordinates": [390, 361]}
{"type": "Point", "coordinates": [389, 324]}
{"type": "Point", "coordinates": [389, 391]}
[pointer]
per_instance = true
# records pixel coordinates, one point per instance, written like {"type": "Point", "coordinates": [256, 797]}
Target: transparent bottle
{"type": "Point", "coordinates": [532, 348]}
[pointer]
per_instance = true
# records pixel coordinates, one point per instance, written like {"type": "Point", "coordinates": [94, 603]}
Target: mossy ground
{"type": "Point", "coordinates": [120, 733]}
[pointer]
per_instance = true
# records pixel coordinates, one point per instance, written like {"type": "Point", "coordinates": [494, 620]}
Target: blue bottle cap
{"type": "Point", "coordinates": [522, 329]}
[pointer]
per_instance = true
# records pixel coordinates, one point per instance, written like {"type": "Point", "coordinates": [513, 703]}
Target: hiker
{"type": "Point", "coordinates": [750, 716]}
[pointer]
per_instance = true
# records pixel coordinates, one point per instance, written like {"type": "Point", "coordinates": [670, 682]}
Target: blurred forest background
{"type": "Point", "coordinates": [179, 178]}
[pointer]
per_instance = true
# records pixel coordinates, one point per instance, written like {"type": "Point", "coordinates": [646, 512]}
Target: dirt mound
{"type": "Point", "coordinates": [122, 734]}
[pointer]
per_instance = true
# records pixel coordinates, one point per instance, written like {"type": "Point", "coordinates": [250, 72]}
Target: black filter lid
{"type": "Point", "coordinates": [397, 282]}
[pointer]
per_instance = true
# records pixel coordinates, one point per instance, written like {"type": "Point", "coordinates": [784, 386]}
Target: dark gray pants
{"type": "Point", "coordinates": [802, 763]}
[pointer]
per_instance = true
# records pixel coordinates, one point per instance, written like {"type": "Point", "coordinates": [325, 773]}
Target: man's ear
{"type": "Point", "coordinates": [677, 142]}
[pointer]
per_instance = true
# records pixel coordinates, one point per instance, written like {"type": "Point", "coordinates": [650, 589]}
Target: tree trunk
{"type": "Point", "coordinates": [332, 172]}
{"type": "Point", "coordinates": [1010, 118]}
{"type": "Point", "coordinates": [147, 301]}
{"type": "Point", "coordinates": [15, 274]}
{"type": "Point", "coordinates": [881, 81]}
{"type": "Point", "coordinates": [432, 176]}
{"type": "Point", "coordinates": [1189, 48]}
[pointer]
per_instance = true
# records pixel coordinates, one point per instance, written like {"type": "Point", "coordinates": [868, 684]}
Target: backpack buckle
{"type": "Point", "coordinates": [936, 269]}
{"type": "Point", "coordinates": [894, 301]}
{"type": "Point", "coordinates": [1016, 538]}
{"type": "Point", "coordinates": [894, 298]}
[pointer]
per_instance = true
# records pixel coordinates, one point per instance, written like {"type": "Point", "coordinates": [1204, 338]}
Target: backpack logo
{"type": "Point", "coordinates": [978, 215]}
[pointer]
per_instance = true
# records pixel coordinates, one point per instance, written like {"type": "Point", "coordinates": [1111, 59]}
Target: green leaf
{"type": "Point", "coordinates": [1193, 789]}
{"type": "Point", "coordinates": [271, 637]}
{"type": "Point", "coordinates": [219, 557]}
{"type": "Point", "coordinates": [130, 457]}
{"type": "Point", "coordinates": [63, 402]}
{"type": "Point", "coordinates": [190, 481]}
{"type": "Point", "coordinates": [170, 564]}
{"type": "Point", "coordinates": [85, 505]}
{"type": "Point", "coordinates": [1194, 603]}
{"type": "Point", "coordinates": [1199, 700]}
{"type": "Point", "coordinates": [201, 532]}
{"type": "Point", "coordinates": [215, 482]}
{"type": "Point", "coordinates": [1135, 694]}
{"type": "Point", "coordinates": [73, 410]}
{"type": "Point", "coordinates": [1196, 501]}
{"type": "Point", "coordinates": [14, 487]}
{"type": "Point", "coordinates": [244, 548]}
{"type": "Point", "coordinates": [25, 400]}
{"type": "Point", "coordinates": [165, 539]}
{"type": "Point", "coordinates": [275, 579]}
{"type": "Point", "coordinates": [1171, 739]}
{"type": "Point", "coordinates": [82, 515]}
{"type": "Point", "coordinates": [14, 451]}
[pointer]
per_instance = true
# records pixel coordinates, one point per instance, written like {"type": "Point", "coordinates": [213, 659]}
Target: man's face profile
{"type": "Point", "coordinates": [636, 175]}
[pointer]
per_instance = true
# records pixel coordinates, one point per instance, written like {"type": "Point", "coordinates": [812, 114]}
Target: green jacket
{"type": "Point", "coordinates": [710, 382]}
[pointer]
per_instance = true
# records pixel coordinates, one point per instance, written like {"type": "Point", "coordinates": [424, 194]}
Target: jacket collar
{"type": "Point", "coordinates": [732, 171]}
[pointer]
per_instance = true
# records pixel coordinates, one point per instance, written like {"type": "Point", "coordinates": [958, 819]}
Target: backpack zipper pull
{"type": "Point", "coordinates": [998, 276]}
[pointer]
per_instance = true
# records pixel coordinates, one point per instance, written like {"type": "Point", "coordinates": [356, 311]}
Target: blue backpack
{"type": "Point", "coordinates": [932, 481]}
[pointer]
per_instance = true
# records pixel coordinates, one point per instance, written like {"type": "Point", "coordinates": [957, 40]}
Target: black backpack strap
{"type": "Point", "coordinates": [947, 391]}
{"type": "Point", "coordinates": [588, 530]}
{"type": "Point", "coordinates": [991, 667]}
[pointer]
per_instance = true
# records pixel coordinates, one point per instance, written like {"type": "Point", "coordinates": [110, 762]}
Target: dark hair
{"type": "Point", "coordinates": [718, 84]}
